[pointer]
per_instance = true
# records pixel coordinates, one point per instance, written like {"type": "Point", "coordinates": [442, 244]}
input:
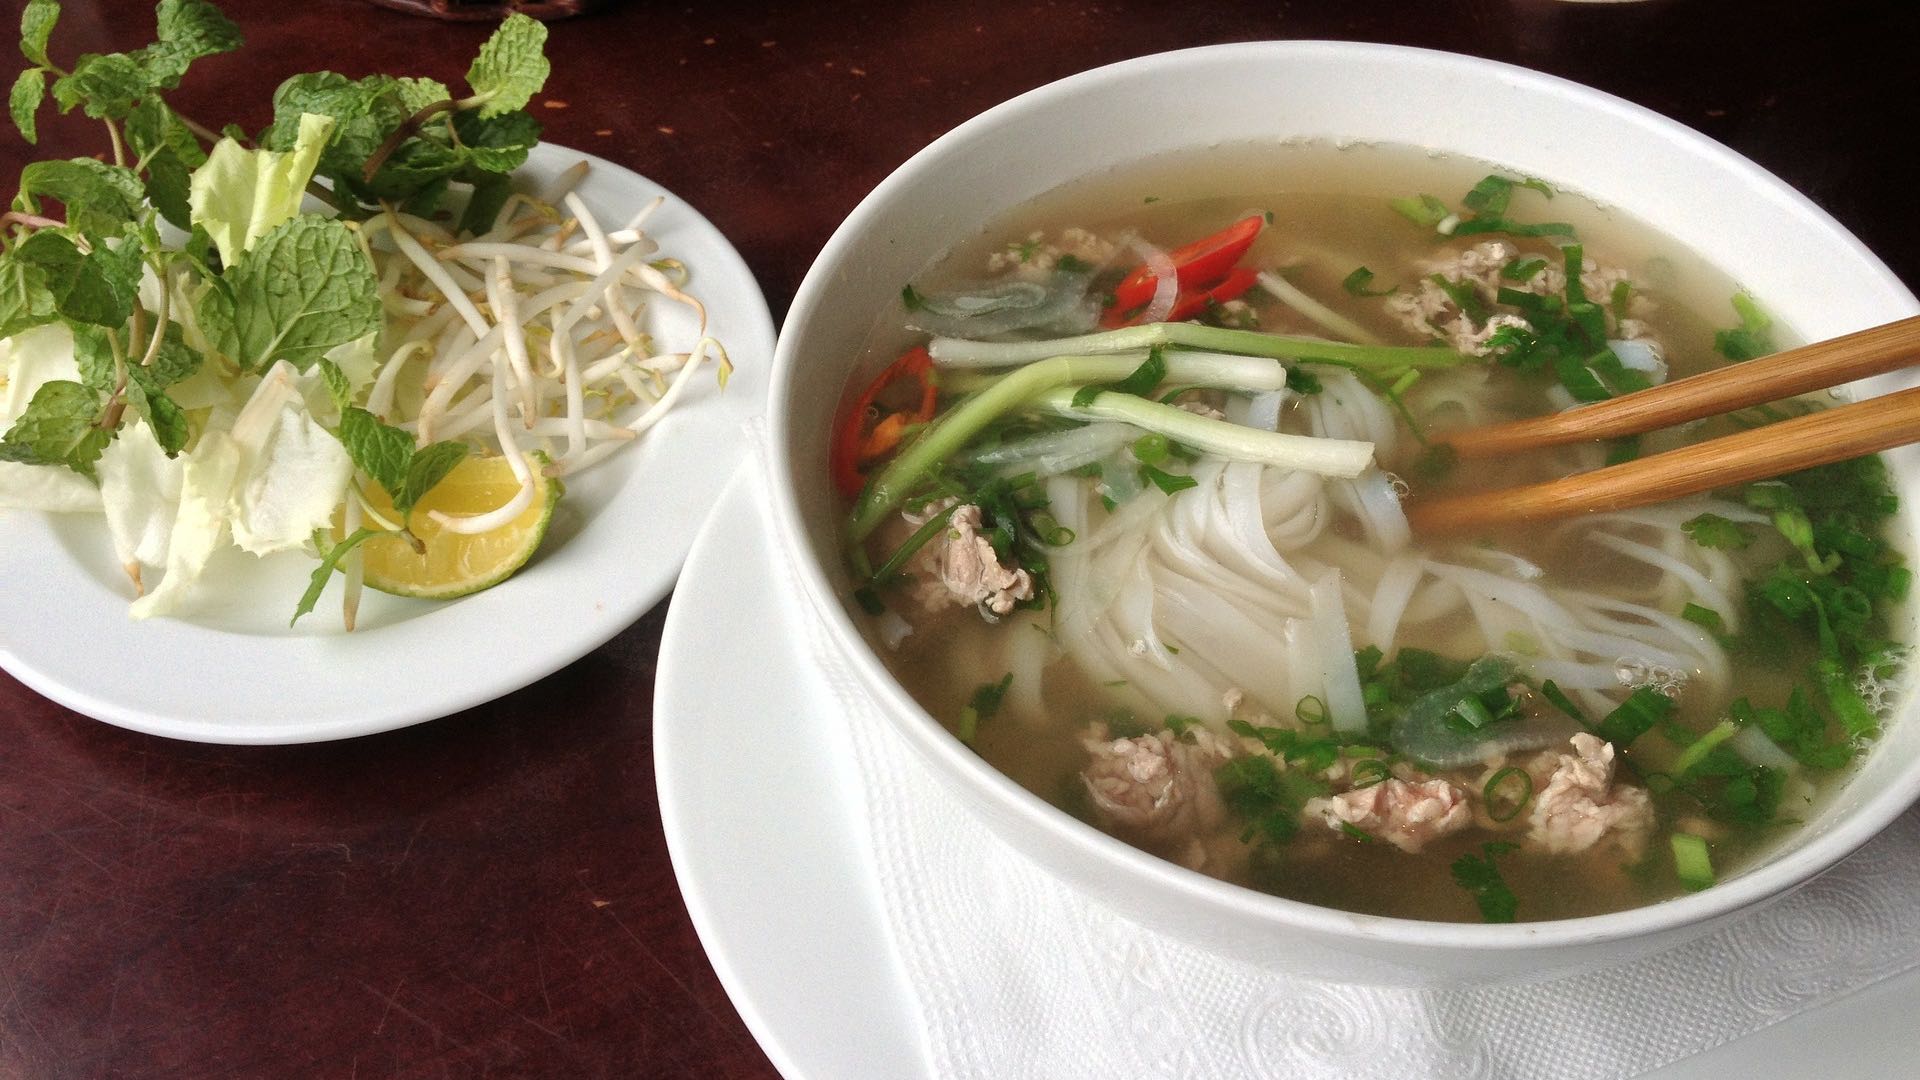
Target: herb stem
{"type": "Point", "coordinates": [119, 144]}
{"type": "Point", "coordinates": [404, 132]}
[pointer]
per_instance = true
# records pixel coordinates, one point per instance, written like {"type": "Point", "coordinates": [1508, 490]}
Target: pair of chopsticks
{"type": "Point", "coordinates": [1816, 439]}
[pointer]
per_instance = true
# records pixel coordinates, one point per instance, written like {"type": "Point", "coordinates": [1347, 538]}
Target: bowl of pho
{"type": "Point", "coordinates": [1093, 428]}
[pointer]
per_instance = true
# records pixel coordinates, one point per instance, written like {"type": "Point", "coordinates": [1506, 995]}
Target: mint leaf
{"type": "Point", "coordinates": [98, 287]}
{"type": "Point", "coordinates": [105, 85]}
{"type": "Point", "coordinates": [338, 387]}
{"type": "Point", "coordinates": [500, 144]}
{"type": "Point", "coordinates": [414, 165]}
{"type": "Point", "coordinates": [382, 451]}
{"type": "Point", "coordinates": [169, 183]}
{"type": "Point", "coordinates": [363, 113]}
{"type": "Point", "coordinates": [25, 301]}
{"type": "Point", "coordinates": [167, 419]}
{"type": "Point", "coordinates": [490, 193]}
{"type": "Point", "coordinates": [151, 126]}
{"type": "Point", "coordinates": [58, 428]}
{"type": "Point", "coordinates": [176, 360]}
{"type": "Point", "coordinates": [196, 27]}
{"type": "Point", "coordinates": [429, 466]}
{"type": "Point", "coordinates": [36, 26]}
{"type": "Point", "coordinates": [100, 198]}
{"type": "Point", "coordinates": [29, 90]}
{"type": "Point", "coordinates": [93, 354]}
{"type": "Point", "coordinates": [417, 94]}
{"type": "Point", "coordinates": [510, 68]}
{"type": "Point", "coordinates": [300, 290]}
{"type": "Point", "coordinates": [323, 573]}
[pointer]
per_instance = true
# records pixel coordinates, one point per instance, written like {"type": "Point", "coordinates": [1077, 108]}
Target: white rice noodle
{"type": "Point", "coordinates": [1372, 500]}
{"type": "Point", "coordinates": [1391, 594]}
{"type": "Point", "coordinates": [1029, 649]}
{"type": "Point", "coordinates": [1754, 745]}
{"type": "Point", "coordinates": [1346, 709]}
{"type": "Point", "coordinates": [1263, 410]}
{"type": "Point", "coordinates": [1345, 409]}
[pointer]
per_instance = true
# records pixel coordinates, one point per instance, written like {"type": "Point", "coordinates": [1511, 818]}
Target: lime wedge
{"type": "Point", "coordinates": [456, 564]}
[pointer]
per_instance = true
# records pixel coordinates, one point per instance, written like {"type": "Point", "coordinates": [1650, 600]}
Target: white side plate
{"type": "Point", "coordinates": [234, 672]}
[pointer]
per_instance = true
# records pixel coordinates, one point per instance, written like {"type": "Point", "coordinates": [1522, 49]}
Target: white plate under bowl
{"type": "Point", "coordinates": [233, 671]}
{"type": "Point", "coordinates": [761, 802]}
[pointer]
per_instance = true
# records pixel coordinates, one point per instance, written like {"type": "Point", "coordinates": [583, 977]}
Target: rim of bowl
{"type": "Point", "coordinates": [940, 747]}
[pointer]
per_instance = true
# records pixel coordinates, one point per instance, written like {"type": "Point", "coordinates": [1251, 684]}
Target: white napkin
{"type": "Point", "coordinates": [1111, 998]}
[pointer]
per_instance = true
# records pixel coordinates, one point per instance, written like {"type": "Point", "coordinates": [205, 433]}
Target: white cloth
{"type": "Point", "coordinates": [1109, 998]}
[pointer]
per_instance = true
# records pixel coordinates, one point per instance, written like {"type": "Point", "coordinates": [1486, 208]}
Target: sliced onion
{"type": "Point", "coordinates": [1166, 280]}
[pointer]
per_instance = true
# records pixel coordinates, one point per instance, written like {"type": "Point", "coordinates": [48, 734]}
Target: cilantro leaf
{"type": "Point", "coordinates": [36, 26]}
{"type": "Point", "coordinates": [511, 67]}
{"type": "Point", "coordinates": [58, 428]}
{"type": "Point", "coordinates": [23, 101]}
{"type": "Point", "coordinates": [300, 290]}
{"type": "Point", "coordinates": [1356, 284]}
{"type": "Point", "coordinates": [1714, 531]}
{"type": "Point", "coordinates": [1478, 875]}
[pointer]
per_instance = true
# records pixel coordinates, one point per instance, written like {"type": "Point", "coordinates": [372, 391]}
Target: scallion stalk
{"type": "Point", "coordinates": [1692, 862]}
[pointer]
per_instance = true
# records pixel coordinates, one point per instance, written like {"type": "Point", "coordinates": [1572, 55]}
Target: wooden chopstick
{"type": "Point", "coordinates": [1820, 438]}
{"type": "Point", "coordinates": [1737, 386]}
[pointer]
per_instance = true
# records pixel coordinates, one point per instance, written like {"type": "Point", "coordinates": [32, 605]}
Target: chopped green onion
{"type": "Point", "coordinates": [1151, 372]}
{"type": "Point", "coordinates": [1517, 803]}
{"type": "Point", "coordinates": [1310, 710]}
{"type": "Point", "coordinates": [1356, 284]}
{"type": "Point", "coordinates": [1358, 833]}
{"type": "Point", "coordinates": [911, 299]}
{"type": "Point", "coordinates": [1370, 771]}
{"type": "Point", "coordinates": [1635, 717]}
{"type": "Point", "coordinates": [1151, 448]}
{"type": "Point", "coordinates": [1170, 483]}
{"type": "Point", "coordinates": [1552, 692]}
{"type": "Point", "coordinates": [1692, 861]}
{"type": "Point", "coordinates": [1523, 267]}
{"type": "Point", "coordinates": [1404, 382]}
{"type": "Point", "coordinates": [1706, 618]}
{"type": "Point", "coordinates": [1473, 713]}
{"type": "Point", "coordinates": [1702, 746]}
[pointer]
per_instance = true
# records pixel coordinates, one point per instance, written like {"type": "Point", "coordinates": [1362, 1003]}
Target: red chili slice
{"type": "Point", "coordinates": [1201, 263]}
{"type": "Point", "coordinates": [856, 442]}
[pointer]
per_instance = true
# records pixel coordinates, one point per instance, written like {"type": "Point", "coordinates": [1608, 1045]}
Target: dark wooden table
{"type": "Point", "coordinates": [489, 894]}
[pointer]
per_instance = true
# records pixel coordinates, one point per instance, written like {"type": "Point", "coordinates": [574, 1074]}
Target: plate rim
{"type": "Point", "coordinates": [113, 697]}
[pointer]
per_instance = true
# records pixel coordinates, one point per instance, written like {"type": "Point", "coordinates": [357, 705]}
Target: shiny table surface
{"type": "Point", "coordinates": [490, 894]}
